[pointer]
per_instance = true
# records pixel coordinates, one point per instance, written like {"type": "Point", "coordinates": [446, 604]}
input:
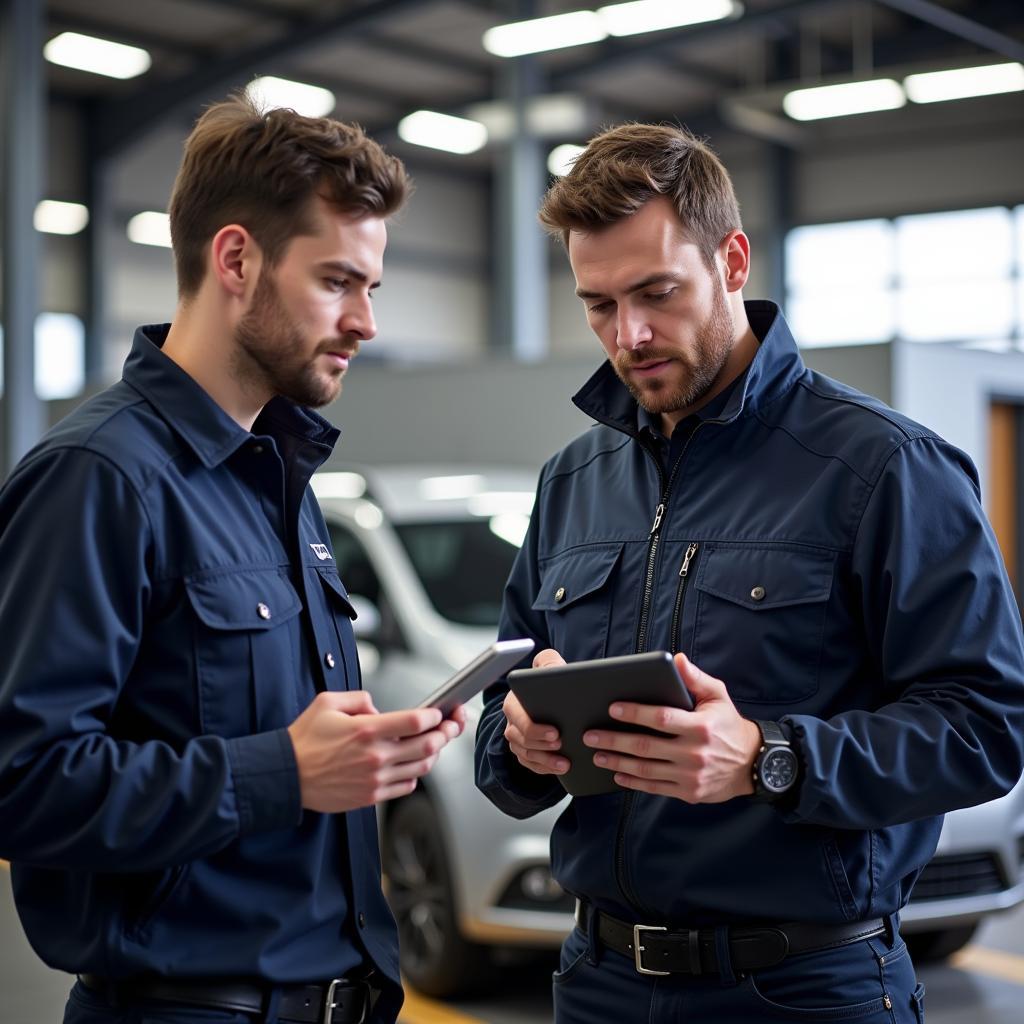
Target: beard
{"type": "Point", "coordinates": [701, 368]}
{"type": "Point", "coordinates": [270, 352]}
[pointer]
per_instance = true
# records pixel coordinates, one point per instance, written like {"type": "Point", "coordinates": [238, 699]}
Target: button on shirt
{"type": "Point", "coordinates": [164, 617]}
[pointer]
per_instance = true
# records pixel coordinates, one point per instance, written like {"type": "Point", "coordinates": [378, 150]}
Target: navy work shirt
{"type": "Point", "coordinates": [168, 606]}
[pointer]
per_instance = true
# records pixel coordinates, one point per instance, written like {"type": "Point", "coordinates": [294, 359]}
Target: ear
{"type": "Point", "coordinates": [235, 260]}
{"type": "Point", "coordinates": [734, 253]}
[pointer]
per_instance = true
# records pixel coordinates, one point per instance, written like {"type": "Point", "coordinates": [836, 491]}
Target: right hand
{"type": "Point", "coordinates": [351, 755]}
{"type": "Point", "coordinates": [534, 745]}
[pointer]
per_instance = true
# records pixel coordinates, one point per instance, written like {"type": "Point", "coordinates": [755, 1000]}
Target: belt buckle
{"type": "Point", "coordinates": [329, 1002]}
{"type": "Point", "coordinates": [638, 949]}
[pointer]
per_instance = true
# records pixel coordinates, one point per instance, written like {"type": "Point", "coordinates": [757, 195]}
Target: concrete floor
{"type": "Point", "coordinates": [982, 985]}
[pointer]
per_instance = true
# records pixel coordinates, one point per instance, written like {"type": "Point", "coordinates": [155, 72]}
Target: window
{"type": "Point", "coordinates": [59, 356]}
{"type": "Point", "coordinates": [956, 276]}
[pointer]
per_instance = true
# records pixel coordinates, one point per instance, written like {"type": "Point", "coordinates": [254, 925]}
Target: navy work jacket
{"type": "Point", "coordinates": [168, 606]}
{"type": "Point", "coordinates": [829, 560]}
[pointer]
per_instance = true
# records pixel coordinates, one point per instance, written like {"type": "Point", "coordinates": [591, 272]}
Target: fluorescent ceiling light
{"type": "Point", "coordinates": [309, 100]}
{"type": "Point", "coordinates": [841, 100]}
{"type": "Point", "coordinates": [338, 485]}
{"type": "Point", "coordinates": [540, 34]}
{"type": "Point", "coordinates": [511, 527]}
{"type": "Point", "coordinates": [150, 228]}
{"type": "Point", "coordinates": [100, 56]}
{"type": "Point", "coordinates": [448, 488]}
{"type": "Point", "coordinates": [631, 19]}
{"type": "Point", "coordinates": [961, 83]}
{"type": "Point", "coordinates": [561, 158]}
{"type": "Point", "coordinates": [56, 218]}
{"type": "Point", "coordinates": [442, 131]}
{"type": "Point", "coordinates": [557, 114]}
{"type": "Point", "coordinates": [496, 503]}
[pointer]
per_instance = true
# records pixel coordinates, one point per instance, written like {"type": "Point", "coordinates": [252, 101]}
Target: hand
{"type": "Point", "coordinates": [533, 744]}
{"type": "Point", "coordinates": [350, 755]}
{"type": "Point", "coordinates": [708, 757]}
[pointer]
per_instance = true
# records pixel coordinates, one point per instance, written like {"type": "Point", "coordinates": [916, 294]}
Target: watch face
{"type": "Point", "coordinates": [778, 770]}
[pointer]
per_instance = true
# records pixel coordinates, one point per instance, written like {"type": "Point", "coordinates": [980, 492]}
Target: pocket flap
{"type": "Point", "coordinates": [569, 577]}
{"type": "Point", "coordinates": [332, 582]}
{"type": "Point", "coordinates": [763, 578]}
{"type": "Point", "coordinates": [246, 599]}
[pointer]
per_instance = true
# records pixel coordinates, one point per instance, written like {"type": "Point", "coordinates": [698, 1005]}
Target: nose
{"type": "Point", "coordinates": [357, 317]}
{"type": "Point", "coordinates": [631, 329]}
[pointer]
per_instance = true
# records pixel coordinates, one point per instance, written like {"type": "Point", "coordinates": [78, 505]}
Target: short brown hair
{"type": "Point", "coordinates": [261, 169]}
{"type": "Point", "coordinates": [626, 166]}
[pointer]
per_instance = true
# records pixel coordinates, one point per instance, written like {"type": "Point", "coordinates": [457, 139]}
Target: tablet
{"type": "Point", "coordinates": [575, 698]}
{"type": "Point", "coordinates": [486, 668]}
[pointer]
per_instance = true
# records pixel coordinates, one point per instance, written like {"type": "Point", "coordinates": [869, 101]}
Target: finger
{"type": "Point", "coordinates": [407, 770]}
{"type": "Point", "coordinates": [633, 744]}
{"type": "Point", "coordinates": [514, 735]}
{"type": "Point", "coordinates": [408, 722]}
{"type": "Point", "coordinates": [646, 786]}
{"type": "Point", "coordinates": [701, 685]}
{"type": "Point", "coordinates": [639, 768]}
{"type": "Point", "coordinates": [533, 733]}
{"type": "Point", "coordinates": [394, 791]}
{"type": "Point", "coordinates": [451, 729]}
{"type": "Point", "coordinates": [349, 702]}
{"type": "Point", "coordinates": [415, 748]}
{"type": "Point", "coordinates": [537, 761]}
{"type": "Point", "coordinates": [653, 716]}
{"type": "Point", "coordinates": [547, 658]}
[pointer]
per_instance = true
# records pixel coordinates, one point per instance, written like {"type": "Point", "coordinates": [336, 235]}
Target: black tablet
{"type": "Point", "coordinates": [575, 698]}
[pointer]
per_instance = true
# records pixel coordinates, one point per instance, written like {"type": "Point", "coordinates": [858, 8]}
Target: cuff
{"type": "Point", "coordinates": [266, 781]}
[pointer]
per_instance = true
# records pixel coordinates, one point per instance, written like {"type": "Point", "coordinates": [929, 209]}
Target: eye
{"type": "Point", "coordinates": [335, 283]}
{"type": "Point", "coordinates": [660, 296]}
{"type": "Point", "coordinates": [599, 307]}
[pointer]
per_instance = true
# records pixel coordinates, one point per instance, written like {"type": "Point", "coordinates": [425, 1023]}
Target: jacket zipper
{"type": "Point", "coordinates": [677, 611]}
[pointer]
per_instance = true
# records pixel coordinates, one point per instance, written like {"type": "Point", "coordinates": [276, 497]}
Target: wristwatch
{"type": "Point", "coordinates": [775, 765]}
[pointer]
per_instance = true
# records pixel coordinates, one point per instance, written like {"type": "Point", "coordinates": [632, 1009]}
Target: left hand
{"type": "Point", "coordinates": [708, 756]}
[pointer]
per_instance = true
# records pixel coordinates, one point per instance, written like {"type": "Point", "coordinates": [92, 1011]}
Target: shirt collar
{"type": "Point", "coordinates": [207, 429]}
{"type": "Point", "coordinates": [711, 411]}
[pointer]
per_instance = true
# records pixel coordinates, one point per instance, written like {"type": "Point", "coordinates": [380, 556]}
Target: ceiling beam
{"type": "Point", "coordinates": [958, 25]}
{"type": "Point", "coordinates": [122, 120]}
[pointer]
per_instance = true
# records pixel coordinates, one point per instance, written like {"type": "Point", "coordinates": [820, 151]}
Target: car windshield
{"type": "Point", "coordinates": [463, 566]}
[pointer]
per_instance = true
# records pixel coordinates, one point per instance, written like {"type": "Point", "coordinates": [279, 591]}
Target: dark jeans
{"type": "Point", "coordinates": [863, 983]}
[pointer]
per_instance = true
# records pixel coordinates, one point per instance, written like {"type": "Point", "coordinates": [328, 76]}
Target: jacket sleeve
{"type": "Point", "coordinates": [500, 777]}
{"type": "Point", "coordinates": [943, 638]}
{"type": "Point", "coordinates": [76, 571]}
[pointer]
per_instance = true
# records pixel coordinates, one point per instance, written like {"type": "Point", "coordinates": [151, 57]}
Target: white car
{"type": "Point", "coordinates": [424, 553]}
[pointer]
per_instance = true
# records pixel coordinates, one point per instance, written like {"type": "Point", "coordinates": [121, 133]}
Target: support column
{"type": "Point", "coordinates": [520, 316]}
{"type": "Point", "coordinates": [22, 116]}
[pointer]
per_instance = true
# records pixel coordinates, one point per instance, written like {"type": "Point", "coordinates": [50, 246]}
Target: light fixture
{"type": "Point", "coordinates": [338, 485]}
{"type": "Point", "coordinates": [961, 83]}
{"type": "Point", "coordinates": [100, 56]}
{"type": "Point", "coordinates": [540, 34]}
{"type": "Point", "coordinates": [561, 158]}
{"type": "Point", "coordinates": [841, 100]}
{"type": "Point", "coordinates": [309, 100]}
{"type": "Point", "coordinates": [450, 488]}
{"type": "Point", "coordinates": [442, 131]}
{"type": "Point", "coordinates": [553, 115]}
{"type": "Point", "coordinates": [57, 218]}
{"type": "Point", "coordinates": [150, 228]}
{"type": "Point", "coordinates": [638, 16]}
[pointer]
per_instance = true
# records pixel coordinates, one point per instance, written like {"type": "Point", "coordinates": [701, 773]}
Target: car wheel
{"type": "Point", "coordinates": [435, 958]}
{"type": "Point", "coordinates": [939, 944]}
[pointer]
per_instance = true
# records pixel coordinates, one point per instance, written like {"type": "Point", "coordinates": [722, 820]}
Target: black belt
{"type": "Point", "coordinates": [335, 1002]}
{"type": "Point", "coordinates": [656, 949]}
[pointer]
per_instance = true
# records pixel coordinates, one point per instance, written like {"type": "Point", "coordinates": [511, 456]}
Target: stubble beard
{"type": "Point", "coordinates": [270, 352]}
{"type": "Point", "coordinates": [712, 344]}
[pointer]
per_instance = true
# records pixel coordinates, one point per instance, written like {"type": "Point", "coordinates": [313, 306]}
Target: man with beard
{"type": "Point", "coordinates": [188, 766]}
{"type": "Point", "coordinates": [822, 570]}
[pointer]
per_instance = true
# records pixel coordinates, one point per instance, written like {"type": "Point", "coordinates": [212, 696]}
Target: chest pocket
{"type": "Point", "coordinates": [575, 597]}
{"type": "Point", "coordinates": [760, 619]}
{"type": "Point", "coordinates": [245, 641]}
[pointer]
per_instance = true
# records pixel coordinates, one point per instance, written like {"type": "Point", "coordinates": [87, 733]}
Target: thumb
{"type": "Point", "coordinates": [547, 658]}
{"type": "Point", "coordinates": [351, 702]}
{"type": "Point", "coordinates": [702, 686]}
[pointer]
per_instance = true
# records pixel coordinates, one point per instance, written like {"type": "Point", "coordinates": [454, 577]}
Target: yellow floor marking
{"type": "Point", "coordinates": [421, 1010]}
{"type": "Point", "coordinates": [995, 963]}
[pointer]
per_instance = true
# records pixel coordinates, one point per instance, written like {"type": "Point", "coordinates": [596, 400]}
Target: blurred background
{"type": "Point", "coordinates": [877, 149]}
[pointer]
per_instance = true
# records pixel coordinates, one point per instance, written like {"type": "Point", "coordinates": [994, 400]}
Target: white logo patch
{"type": "Point", "coordinates": [321, 551]}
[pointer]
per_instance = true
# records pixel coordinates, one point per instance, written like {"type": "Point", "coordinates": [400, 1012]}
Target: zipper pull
{"type": "Point", "coordinates": [658, 513]}
{"type": "Point", "coordinates": [687, 558]}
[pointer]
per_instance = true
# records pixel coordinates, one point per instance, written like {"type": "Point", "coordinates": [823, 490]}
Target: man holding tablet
{"type": "Point", "coordinates": [823, 571]}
